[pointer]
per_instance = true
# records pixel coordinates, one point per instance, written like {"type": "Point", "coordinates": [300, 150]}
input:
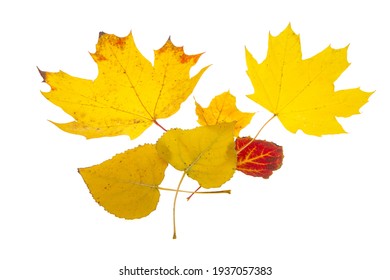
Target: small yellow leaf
{"type": "Point", "coordinates": [206, 154]}
{"type": "Point", "coordinates": [222, 109]}
{"type": "Point", "coordinates": [301, 92]}
{"type": "Point", "coordinates": [127, 184]}
{"type": "Point", "coordinates": [129, 93]}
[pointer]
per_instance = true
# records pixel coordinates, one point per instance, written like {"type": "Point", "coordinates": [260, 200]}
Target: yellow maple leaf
{"type": "Point", "coordinates": [129, 93]}
{"type": "Point", "coordinates": [301, 92]}
{"type": "Point", "coordinates": [222, 109]}
{"type": "Point", "coordinates": [127, 184]}
{"type": "Point", "coordinates": [206, 154]}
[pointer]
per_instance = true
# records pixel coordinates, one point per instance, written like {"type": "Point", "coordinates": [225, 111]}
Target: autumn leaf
{"type": "Point", "coordinates": [301, 92]}
{"type": "Point", "coordinates": [206, 154]}
{"type": "Point", "coordinates": [129, 93]}
{"type": "Point", "coordinates": [258, 158]}
{"type": "Point", "coordinates": [222, 109]}
{"type": "Point", "coordinates": [127, 184]}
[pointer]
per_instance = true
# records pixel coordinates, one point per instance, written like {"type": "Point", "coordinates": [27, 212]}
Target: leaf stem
{"type": "Point", "coordinates": [194, 192]}
{"type": "Point", "coordinates": [159, 125]}
{"type": "Point", "coordinates": [257, 134]}
{"type": "Point", "coordinates": [191, 192]}
{"type": "Point", "coordinates": [174, 205]}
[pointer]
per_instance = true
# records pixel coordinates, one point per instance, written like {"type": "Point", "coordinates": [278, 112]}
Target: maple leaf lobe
{"type": "Point", "coordinates": [258, 158]}
{"type": "Point", "coordinates": [180, 55]}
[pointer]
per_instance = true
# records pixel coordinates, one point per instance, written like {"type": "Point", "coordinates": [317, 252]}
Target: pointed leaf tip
{"type": "Point", "coordinates": [42, 73]}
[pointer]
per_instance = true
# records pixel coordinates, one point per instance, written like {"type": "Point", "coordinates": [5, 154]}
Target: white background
{"type": "Point", "coordinates": [323, 215]}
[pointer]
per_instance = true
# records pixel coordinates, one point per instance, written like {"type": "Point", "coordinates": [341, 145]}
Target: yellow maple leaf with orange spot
{"type": "Point", "coordinates": [129, 93]}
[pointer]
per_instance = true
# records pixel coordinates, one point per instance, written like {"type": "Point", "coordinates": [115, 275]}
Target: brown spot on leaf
{"type": "Point", "coordinates": [120, 42]}
{"type": "Point", "coordinates": [99, 57]}
{"type": "Point", "coordinates": [43, 74]}
{"type": "Point", "coordinates": [189, 58]}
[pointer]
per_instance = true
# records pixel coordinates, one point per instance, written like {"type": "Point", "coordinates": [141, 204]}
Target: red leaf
{"type": "Point", "coordinates": [260, 158]}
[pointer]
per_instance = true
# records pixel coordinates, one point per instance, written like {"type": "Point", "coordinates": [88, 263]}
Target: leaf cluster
{"type": "Point", "coordinates": [130, 94]}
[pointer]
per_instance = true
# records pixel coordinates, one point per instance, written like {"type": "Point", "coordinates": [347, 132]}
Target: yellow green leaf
{"type": "Point", "coordinates": [222, 109]}
{"type": "Point", "coordinates": [206, 154]}
{"type": "Point", "coordinates": [129, 93]}
{"type": "Point", "coordinates": [127, 184]}
{"type": "Point", "coordinates": [301, 92]}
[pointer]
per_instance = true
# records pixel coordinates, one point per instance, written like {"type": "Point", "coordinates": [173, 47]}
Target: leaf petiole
{"type": "Point", "coordinates": [257, 134]}
{"type": "Point", "coordinates": [196, 192]}
{"type": "Point", "coordinates": [174, 205]}
{"type": "Point", "coordinates": [159, 125]}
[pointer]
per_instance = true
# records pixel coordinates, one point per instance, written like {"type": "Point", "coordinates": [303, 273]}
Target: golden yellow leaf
{"type": "Point", "coordinates": [127, 184]}
{"type": "Point", "coordinates": [206, 154]}
{"type": "Point", "coordinates": [301, 92]}
{"type": "Point", "coordinates": [129, 93]}
{"type": "Point", "coordinates": [222, 109]}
